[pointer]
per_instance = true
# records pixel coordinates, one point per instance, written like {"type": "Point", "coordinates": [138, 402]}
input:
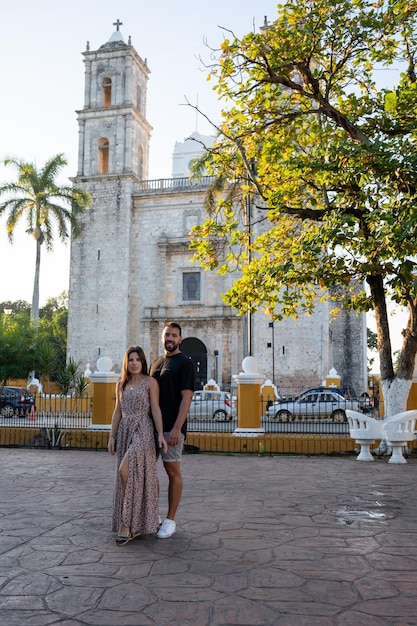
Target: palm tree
{"type": "Point", "coordinates": [37, 196]}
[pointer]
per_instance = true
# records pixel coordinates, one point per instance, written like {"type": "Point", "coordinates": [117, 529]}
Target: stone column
{"type": "Point", "coordinates": [81, 148]}
{"type": "Point", "coordinates": [127, 144]}
{"type": "Point", "coordinates": [104, 394]}
{"type": "Point", "coordinates": [249, 399]}
{"type": "Point", "coordinates": [87, 85]}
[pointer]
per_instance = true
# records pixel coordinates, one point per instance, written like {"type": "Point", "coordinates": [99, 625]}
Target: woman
{"type": "Point", "coordinates": [136, 496]}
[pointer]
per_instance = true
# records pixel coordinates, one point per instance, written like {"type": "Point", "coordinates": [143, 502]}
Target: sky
{"type": "Point", "coordinates": [43, 86]}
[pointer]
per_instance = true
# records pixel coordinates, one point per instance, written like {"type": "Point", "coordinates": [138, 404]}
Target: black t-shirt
{"type": "Point", "coordinates": [174, 374]}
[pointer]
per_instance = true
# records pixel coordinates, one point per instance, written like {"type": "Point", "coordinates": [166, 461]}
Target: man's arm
{"type": "Point", "coordinates": [175, 434]}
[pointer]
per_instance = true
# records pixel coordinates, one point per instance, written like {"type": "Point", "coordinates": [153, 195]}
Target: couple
{"type": "Point", "coordinates": [162, 399]}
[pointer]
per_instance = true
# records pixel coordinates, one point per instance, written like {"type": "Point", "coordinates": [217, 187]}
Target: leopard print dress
{"type": "Point", "coordinates": [140, 509]}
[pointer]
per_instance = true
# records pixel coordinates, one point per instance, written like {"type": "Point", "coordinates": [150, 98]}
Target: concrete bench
{"type": "Point", "coordinates": [365, 430]}
{"type": "Point", "coordinates": [398, 430]}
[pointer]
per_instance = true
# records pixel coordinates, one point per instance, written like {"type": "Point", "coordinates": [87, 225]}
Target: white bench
{"type": "Point", "coordinates": [399, 429]}
{"type": "Point", "coordinates": [365, 430]}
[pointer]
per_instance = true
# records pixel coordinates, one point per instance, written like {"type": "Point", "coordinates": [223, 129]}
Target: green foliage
{"type": "Point", "coordinates": [372, 340]}
{"type": "Point", "coordinates": [326, 164]}
{"type": "Point", "coordinates": [23, 348]}
{"type": "Point", "coordinates": [54, 305]}
{"type": "Point", "coordinates": [46, 360]}
{"type": "Point", "coordinates": [53, 326]}
{"type": "Point", "coordinates": [15, 307]}
{"type": "Point", "coordinates": [81, 386]}
{"type": "Point", "coordinates": [17, 346]}
{"type": "Point", "coordinates": [36, 198]}
{"type": "Point", "coordinates": [71, 381]}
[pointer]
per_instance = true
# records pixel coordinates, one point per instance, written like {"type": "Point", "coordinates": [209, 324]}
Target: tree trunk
{"type": "Point", "coordinates": [395, 386]}
{"type": "Point", "coordinates": [35, 296]}
{"type": "Point", "coordinates": [397, 390]}
{"type": "Point", "coordinates": [395, 394]}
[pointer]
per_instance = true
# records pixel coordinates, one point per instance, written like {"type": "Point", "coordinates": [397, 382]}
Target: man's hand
{"type": "Point", "coordinates": [174, 436]}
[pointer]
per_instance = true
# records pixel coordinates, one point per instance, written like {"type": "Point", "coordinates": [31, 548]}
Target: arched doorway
{"type": "Point", "coordinates": [197, 352]}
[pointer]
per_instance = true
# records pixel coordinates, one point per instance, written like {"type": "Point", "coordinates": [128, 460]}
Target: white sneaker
{"type": "Point", "coordinates": [167, 529]}
{"type": "Point", "coordinates": [159, 522]}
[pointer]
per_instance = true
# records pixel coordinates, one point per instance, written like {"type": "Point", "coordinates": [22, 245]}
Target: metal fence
{"type": "Point", "coordinates": [66, 422]}
{"type": "Point", "coordinates": [48, 424]}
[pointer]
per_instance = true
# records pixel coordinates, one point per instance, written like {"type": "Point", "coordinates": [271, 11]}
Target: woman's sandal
{"type": "Point", "coordinates": [121, 540]}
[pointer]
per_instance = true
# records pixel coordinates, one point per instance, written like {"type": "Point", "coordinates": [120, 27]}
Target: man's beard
{"type": "Point", "coordinates": [170, 348]}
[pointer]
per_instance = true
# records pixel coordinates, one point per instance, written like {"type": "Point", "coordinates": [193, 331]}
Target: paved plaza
{"type": "Point", "coordinates": [261, 541]}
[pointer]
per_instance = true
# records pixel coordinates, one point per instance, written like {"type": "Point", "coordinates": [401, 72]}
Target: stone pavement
{"type": "Point", "coordinates": [261, 541]}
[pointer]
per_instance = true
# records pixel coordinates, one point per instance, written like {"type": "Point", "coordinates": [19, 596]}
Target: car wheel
{"type": "Point", "coordinates": [283, 416]}
{"type": "Point", "coordinates": [7, 411]}
{"type": "Point", "coordinates": [220, 415]}
{"type": "Point", "coordinates": [339, 416]}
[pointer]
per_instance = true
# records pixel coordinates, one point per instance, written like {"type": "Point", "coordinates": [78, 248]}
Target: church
{"type": "Point", "coordinates": [130, 268]}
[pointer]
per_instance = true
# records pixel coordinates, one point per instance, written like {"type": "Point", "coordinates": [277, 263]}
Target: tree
{"type": "Point", "coordinates": [71, 380]}
{"type": "Point", "coordinates": [17, 346]}
{"type": "Point", "coordinates": [53, 323]}
{"type": "Point", "coordinates": [55, 305]}
{"type": "Point", "coordinates": [38, 198]}
{"type": "Point", "coordinates": [325, 164]}
{"type": "Point", "coordinates": [22, 350]}
{"type": "Point", "coordinates": [15, 307]}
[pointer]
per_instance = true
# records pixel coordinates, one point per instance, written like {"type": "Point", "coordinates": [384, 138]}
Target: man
{"type": "Point", "coordinates": [176, 376]}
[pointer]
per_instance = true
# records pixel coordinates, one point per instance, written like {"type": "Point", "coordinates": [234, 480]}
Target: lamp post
{"type": "Point", "coordinates": [271, 326]}
{"type": "Point", "coordinates": [252, 174]}
{"type": "Point", "coordinates": [216, 364]}
{"type": "Point", "coordinates": [249, 314]}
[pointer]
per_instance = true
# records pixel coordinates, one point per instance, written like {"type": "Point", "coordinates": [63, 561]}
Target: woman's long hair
{"type": "Point", "coordinates": [125, 376]}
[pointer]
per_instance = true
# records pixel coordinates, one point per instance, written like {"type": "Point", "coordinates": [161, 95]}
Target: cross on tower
{"type": "Point", "coordinates": [117, 24]}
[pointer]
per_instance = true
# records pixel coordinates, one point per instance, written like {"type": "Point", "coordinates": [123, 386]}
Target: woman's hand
{"type": "Point", "coordinates": [110, 445]}
{"type": "Point", "coordinates": [163, 446]}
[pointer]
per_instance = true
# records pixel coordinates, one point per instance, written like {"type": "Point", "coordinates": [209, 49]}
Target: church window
{"type": "Point", "coordinates": [103, 156]}
{"type": "Point", "coordinates": [106, 92]}
{"type": "Point", "coordinates": [191, 286]}
{"type": "Point", "coordinates": [139, 99]}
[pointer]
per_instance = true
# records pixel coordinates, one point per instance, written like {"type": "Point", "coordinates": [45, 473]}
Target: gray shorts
{"type": "Point", "coordinates": [174, 453]}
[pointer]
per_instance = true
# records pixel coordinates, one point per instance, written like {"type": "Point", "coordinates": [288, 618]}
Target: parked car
{"type": "Point", "coordinates": [313, 404]}
{"type": "Point", "coordinates": [346, 392]}
{"type": "Point", "coordinates": [16, 401]}
{"type": "Point", "coordinates": [217, 405]}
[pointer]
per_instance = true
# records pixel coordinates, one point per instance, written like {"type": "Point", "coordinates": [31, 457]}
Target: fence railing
{"type": "Point", "coordinates": [164, 184]}
{"type": "Point", "coordinates": [66, 422]}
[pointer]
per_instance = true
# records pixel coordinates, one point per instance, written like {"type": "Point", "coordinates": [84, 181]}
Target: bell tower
{"type": "Point", "coordinates": [113, 155]}
{"type": "Point", "coordinates": [114, 134]}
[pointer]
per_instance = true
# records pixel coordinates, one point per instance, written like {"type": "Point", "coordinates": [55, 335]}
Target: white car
{"type": "Point", "coordinates": [217, 405]}
{"type": "Point", "coordinates": [313, 404]}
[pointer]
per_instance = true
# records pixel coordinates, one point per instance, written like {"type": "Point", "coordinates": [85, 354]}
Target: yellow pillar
{"type": "Point", "coordinates": [269, 393]}
{"type": "Point", "coordinates": [211, 385]}
{"type": "Point", "coordinates": [332, 379]}
{"type": "Point", "coordinates": [104, 394]}
{"type": "Point", "coordinates": [412, 397]}
{"type": "Point", "coordinates": [249, 399]}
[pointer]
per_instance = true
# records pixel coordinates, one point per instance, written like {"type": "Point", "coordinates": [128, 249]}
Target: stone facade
{"type": "Point", "coordinates": [130, 269]}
